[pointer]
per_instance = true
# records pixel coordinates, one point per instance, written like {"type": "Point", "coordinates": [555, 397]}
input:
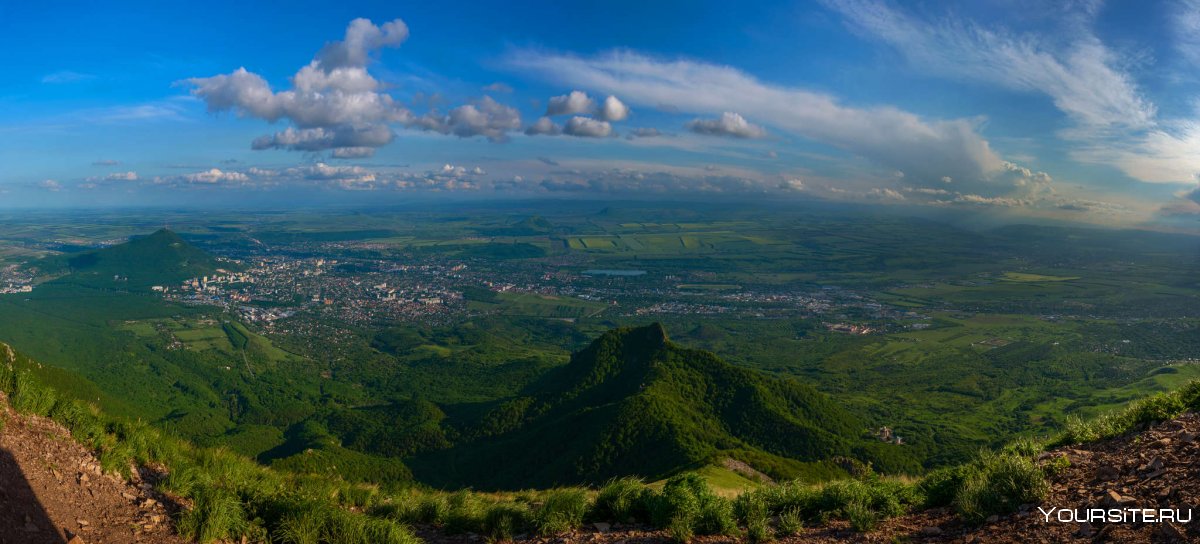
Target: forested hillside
{"type": "Point", "coordinates": [634, 403]}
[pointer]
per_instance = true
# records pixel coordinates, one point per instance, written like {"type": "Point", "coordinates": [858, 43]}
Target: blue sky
{"type": "Point", "coordinates": [1075, 110]}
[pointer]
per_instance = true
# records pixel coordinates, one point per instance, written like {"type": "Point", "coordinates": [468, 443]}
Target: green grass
{"type": "Point", "coordinates": [232, 497]}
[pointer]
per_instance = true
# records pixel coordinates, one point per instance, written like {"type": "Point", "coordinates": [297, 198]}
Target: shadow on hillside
{"type": "Point", "coordinates": [22, 518]}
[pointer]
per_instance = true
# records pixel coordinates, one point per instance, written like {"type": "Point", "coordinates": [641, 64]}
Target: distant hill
{"type": "Point", "coordinates": [533, 225]}
{"type": "Point", "coordinates": [162, 258]}
{"type": "Point", "coordinates": [635, 403]}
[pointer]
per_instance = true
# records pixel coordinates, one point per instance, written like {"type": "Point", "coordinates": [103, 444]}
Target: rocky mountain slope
{"type": "Point", "coordinates": [52, 490]}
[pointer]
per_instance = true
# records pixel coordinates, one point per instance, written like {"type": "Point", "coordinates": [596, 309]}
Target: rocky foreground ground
{"type": "Point", "coordinates": [52, 490]}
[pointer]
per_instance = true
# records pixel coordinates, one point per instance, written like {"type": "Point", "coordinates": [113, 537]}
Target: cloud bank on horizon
{"type": "Point", "coordinates": [1054, 110]}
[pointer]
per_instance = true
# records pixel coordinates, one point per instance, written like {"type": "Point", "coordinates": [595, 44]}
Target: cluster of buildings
{"type": "Point", "coordinates": [14, 280]}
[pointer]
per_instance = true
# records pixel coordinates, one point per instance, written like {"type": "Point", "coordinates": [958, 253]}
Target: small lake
{"type": "Point", "coordinates": [614, 272]}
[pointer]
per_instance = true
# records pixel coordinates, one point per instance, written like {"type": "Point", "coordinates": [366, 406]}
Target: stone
{"type": "Point", "coordinates": [932, 530]}
{"type": "Point", "coordinates": [602, 527]}
{"type": "Point", "coordinates": [1108, 473]}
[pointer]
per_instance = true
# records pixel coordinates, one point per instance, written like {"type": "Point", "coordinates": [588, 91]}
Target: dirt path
{"type": "Point", "coordinates": [53, 491]}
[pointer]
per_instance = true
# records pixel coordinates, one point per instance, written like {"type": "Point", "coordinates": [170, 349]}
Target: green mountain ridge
{"type": "Point", "coordinates": [634, 403]}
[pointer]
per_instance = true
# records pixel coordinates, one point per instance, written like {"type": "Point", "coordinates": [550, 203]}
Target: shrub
{"type": "Point", "coordinates": [1189, 395]}
{"type": "Point", "coordinates": [465, 514]}
{"type": "Point", "coordinates": [862, 519]}
{"type": "Point", "coordinates": [680, 497]}
{"type": "Point", "coordinates": [751, 508]}
{"type": "Point", "coordinates": [215, 515]}
{"type": "Point", "coordinates": [941, 486]}
{"type": "Point", "coordinates": [680, 529]}
{"type": "Point", "coordinates": [620, 500]}
{"type": "Point", "coordinates": [1024, 445]}
{"type": "Point", "coordinates": [715, 517]}
{"type": "Point", "coordinates": [791, 522]}
{"type": "Point", "coordinates": [687, 499]}
{"type": "Point", "coordinates": [562, 510]}
{"type": "Point", "coordinates": [1156, 408]}
{"type": "Point", "coordinates": [503, 521]}
{"type": "Point", "coordinates": [432, 509]}
{"type": "Point", "coordinates": [759, 530]}
{"type": "Point", "coordinates": [998, 484]}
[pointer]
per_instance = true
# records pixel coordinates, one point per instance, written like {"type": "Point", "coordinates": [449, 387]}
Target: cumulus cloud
{"type": "Point", "coordinates": [792, 184]}
{"type": "Point", "coordinates": [50, 185]}
{"type": "Point", "coordinates": [353, 152]}
{"type": "Point", "coordinates": [106, 162]}
{"type": "Point", "coordinates": [122, 176]}
{"type": "Point", "coordinates": [216, 176]}
{"type": "Point", "coordinates": [339, 138]}
{"type": "Point", "coordinates": [923, 148]}
{"type": "Point", "coordinates": [326, 172]}
{"type": "Point", "coordinates": [884, 193]}
{"type": "Point", "coordinates": [334, 102]}
{"type": "Point", "coordinates": [484, 117]}
{"type": "Point", "coordinates": [587, 127]}
{"type": "Point", "coordinates": [728, 124]}
{"type": "Point", "coordinates": [613, 110]}
{"type": "Point", "coordinates": [569, 104]}
{"type": "Point", "coordinates": [543, 126]}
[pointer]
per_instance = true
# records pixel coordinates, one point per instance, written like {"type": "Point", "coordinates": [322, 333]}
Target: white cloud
{"type": "Point", "coordinates": [1113, 123]}
{"type": "Point", "coordinates": [322, 171]}
{"type": "Point", "coordinates": [106, 162]}
{"type": "Point", "coordinates": [337, 138]}
{"type": "Point", "coordinates": [587, 127]}
{"type": "Point", "coordinates": [543, 126]}
{"type": "Point", "coordinates": [613, 110]}
{"type": "Point", "coordinates": [334, 102]}
{"type": "Point", "coordinates": [569, 104]}
{"type": "Point", "coordinates": [353, 152]}
{"type": "Point", "coordinates": [484, 117]}
{"type": "Point", "coordinates": [891, 137]}
{"type": "Point", "coordinates": [1187, 29]}
{"type": "Point", "coordinates": [50, 185]}
{"type": "Point", "coordinates": [1081, 77]}
{"type": "Point", "coordinates": [728, 124]}
{"type": "Point", "coordinates": [216, 176]}
{"type": "Point", "coordinates": [792, 184]}
{"type": "Point", "coordinates": [885, 193]}
{"type": "Point", "coordinates": [122, 176]}
{"type": "Point", "coordinates": [362, 37]}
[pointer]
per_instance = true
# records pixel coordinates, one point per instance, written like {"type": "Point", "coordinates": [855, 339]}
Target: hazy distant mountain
{"type": "Point", "coordinates": [162, 258]}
